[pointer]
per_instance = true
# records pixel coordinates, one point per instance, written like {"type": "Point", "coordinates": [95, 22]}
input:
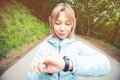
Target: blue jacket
{"type": "Point", "coordinates": [86, 61]}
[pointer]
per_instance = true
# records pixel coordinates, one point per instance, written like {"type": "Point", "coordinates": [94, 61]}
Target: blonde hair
{"type": "Point", "coordinates": [63, 7]}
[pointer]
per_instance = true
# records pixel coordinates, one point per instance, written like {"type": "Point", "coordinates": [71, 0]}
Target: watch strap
{"type": "Point", "coordinates": [66, 59]}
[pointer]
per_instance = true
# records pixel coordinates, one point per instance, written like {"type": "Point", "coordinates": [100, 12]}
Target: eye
{"type": "Point", "coordinates": [57, 22]}
{"type": "Point", "coordinates": [68, 23]}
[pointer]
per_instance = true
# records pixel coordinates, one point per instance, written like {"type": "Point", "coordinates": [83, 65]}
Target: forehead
{"type": "Point", "coordinates": [63, 17]}
{"type": "Point", "coordinates": [69, 13]}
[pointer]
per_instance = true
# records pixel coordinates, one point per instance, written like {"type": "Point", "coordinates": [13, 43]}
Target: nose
{"type": "Point", "coordinates": [62, 28]}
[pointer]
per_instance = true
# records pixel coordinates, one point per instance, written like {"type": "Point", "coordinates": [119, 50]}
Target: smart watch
{"type": "Point", "coordinates": [66, 59]}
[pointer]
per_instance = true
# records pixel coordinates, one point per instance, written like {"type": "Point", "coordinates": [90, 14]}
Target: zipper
{"type": "Point", "coordinates": [59, 47]}
{"type": "Point", "coordinates": [59, 50]}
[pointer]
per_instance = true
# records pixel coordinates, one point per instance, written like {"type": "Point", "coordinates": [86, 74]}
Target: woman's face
{"type": "Point", "coordinates": [62, 26]}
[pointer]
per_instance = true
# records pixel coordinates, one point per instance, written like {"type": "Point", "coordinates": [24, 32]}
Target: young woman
{"type": "Point", "coordinates": [60, 57]}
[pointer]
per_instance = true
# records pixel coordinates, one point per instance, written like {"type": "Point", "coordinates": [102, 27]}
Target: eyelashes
{"type": "Point", "coordinates": [59, 23]}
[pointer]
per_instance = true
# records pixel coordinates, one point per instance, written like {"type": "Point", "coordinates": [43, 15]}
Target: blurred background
{"type": "Point", "coordinates": [23, 22]}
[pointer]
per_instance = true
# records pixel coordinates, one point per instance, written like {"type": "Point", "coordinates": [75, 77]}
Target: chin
{"type": "Point", "coordinates": [63, 37]}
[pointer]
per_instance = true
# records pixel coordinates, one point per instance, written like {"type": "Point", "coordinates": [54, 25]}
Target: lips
{"type": "Point", "coordinates": [62, 33]}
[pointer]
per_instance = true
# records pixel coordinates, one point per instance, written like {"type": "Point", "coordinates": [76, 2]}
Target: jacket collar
{"type": "Point", "coordinates": [56, 42]}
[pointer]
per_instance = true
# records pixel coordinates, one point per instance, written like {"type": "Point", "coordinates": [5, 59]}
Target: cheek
{"type": "Point", "coordinates": [55, 27]}
{"type": "Point", "coordinates": [69, 28]}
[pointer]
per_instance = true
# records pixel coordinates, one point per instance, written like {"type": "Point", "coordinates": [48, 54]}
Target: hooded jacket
{"type": "Point", "coordinates": [86, 61]}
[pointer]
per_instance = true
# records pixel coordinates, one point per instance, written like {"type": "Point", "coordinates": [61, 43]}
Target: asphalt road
{"type": "Point", "coordinates": [19, 70]}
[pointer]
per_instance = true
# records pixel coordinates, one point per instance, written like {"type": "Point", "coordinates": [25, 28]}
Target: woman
{"type": "Point", "coordinates": [60, 57]}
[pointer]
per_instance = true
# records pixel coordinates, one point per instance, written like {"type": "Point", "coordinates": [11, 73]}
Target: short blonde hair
{"type": "Point", "coordinates": [63, 7]}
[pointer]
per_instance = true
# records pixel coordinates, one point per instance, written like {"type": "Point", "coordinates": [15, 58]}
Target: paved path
{"type": "Point", "coordinates": [19, 70]}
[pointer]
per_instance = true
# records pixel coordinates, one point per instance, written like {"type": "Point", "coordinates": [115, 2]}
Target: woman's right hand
{"type": "Point", "coordinates": [49, 64]}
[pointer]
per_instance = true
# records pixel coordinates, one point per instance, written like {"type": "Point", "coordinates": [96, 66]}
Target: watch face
{"type": "Point", "coordinates": [66, 58]}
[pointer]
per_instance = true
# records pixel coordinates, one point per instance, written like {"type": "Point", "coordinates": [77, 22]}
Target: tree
{"type": "Point", "coordinates": [96, 18]}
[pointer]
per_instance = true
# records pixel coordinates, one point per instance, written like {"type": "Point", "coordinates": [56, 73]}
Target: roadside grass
{"type": "Point", "coordinates": [109, 49]}
{"type": "Point", "coordinates": [17, 54]}
{"type": "Point", "coordinates": [20, 31]}
{"type": "Point", "coordinates": [18, 27]}
{"type": "Point", "coordinates": [107, 46]}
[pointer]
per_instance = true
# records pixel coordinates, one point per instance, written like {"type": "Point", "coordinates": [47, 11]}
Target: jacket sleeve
{"type": "Point", "coordinates": [90, 62]}
{"type": "Point", "coordinates": [40, 53]}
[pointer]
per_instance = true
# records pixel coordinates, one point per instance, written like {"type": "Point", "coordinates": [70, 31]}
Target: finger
{"type": "Point", "coordinates": [36, 67]}
{"type": "Point", "coordinates": [32, 68]}
{"type": "Point", "coordinates": [45, 70]}
{"type": "Point", "coordinates": [40, 68]}
{"type": "Point", "coordinates": [41, 65]}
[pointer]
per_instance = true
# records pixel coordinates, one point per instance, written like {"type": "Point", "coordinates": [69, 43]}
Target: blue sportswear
{"type": "Point", "coordinates": [86, 61]}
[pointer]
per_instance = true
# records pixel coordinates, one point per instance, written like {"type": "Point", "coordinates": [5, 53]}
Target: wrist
{"type": "Point", "coordinates": [70, 65]}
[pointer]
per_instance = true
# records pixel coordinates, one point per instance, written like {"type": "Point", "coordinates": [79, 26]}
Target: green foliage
{"type": "Point", "coordinates": [19, 27]}
{"type": "Point", "coordinates": [97, 18]}
{"type": "Point", "coordinates": [61, 1]}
